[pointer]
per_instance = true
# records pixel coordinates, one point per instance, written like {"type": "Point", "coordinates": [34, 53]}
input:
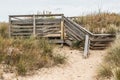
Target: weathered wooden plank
{"type": "Point", "coordinates": [58, 41]}
{"type": "Point", "coordinates": [99, 45]}
{"type": "Point", "coordinates": [102, 40]}
{"type": "Point", "coordinates": [48, 26]}
{"type": "Point", "coordinates": [42, 15]}
{"type": "Point", "coordinates": [48, 20]}
{"type": "Point", "coordinates": [97, 48]}
{"type": "Point", "coordinates": [16, 26]}
{"type": "Point", "coordinates": [52, 35]}
{"type": "Point", "coordinates": [17, 22]}
{"type": "Point", "coordinates": [47, 30]}
{"type": "Point", "coordinates": [17, 30]}
{"type": "Point", "coordinates": [15, 34]}
{"type": "Point", "coordinates": [38, 21]}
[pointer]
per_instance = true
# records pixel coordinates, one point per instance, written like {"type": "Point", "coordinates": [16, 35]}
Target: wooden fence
{"type": "Point", "coordinates": [48, 25]}
{"type": "Point", "coordinates": [58, 28]}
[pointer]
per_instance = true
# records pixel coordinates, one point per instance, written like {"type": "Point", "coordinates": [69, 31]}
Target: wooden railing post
{"type": "Point", "coordinates": [9, 29]}
{"type": "Point", "coordinates": [62, 29]}
{"type": "Point", "coordinates": [86, 46]}
{"type": "Point", "coordinates": [34, 26]}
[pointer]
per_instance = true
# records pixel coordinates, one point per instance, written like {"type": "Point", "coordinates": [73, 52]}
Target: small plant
{"type": "Point", "coordinates": [4, 29]}
{"type": "Point", "coordinates": [59, 59]}
{"type": "Point", "coordinates": [21, 68]}
{"type": "Point", "coordinates": [104, 71]}
{"type": "Point", "coordinates": [116, 73]}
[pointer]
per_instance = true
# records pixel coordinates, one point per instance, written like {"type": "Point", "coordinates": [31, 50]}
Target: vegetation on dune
{"type": "Point", "coordinates": [31, 54]}
{"type": "Point", "coordinates": [111, 65]}
{"type": "Point", "coordinates": [4, 29]}
{"type": "Point", "coordinates": [26, 55]}
{"type": "Point", "coordinates": [101, 22]}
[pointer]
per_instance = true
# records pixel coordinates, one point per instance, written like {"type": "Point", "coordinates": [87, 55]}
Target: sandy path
{"type": "Point", "coordinates": [76, 68]}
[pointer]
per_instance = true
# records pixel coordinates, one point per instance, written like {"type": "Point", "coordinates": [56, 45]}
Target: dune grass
{"type": "Point", "coordinates": [28, 54]}
{"type": "Point", "coordinates": [100, 22]}
{"type": "Point", "coordinates": [111, 65]}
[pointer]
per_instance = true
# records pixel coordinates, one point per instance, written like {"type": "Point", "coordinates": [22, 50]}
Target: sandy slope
{"type": "Point", "coordinates": [76, 67]}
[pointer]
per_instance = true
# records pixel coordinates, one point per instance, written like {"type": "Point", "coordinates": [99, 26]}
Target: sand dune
{"type": "Point", "coordinates": [76, 67]}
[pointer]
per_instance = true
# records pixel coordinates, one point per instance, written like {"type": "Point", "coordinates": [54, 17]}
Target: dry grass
{"type": "Point", "coordinates": [4, 29]}
{"type": "Point", "coordinates": [112, 59]}
{"type": "Point", "coordinates": [116, 73]}
{"type": "Point", "coordinates": [101, 22]}
{"type": "Point", "coordinates": [27, 54]}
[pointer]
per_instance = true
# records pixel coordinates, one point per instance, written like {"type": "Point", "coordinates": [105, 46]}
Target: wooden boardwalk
{"type": "Point", "coordinates": [57, 28]}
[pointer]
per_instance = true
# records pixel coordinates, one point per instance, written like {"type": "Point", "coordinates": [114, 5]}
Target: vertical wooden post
{"type": "Point", "coordinates": [86, 47]}
{"type": "Point", "coordinates": [9, 29]}
{"type": "Point", "coordinates": [34, 26]}
{"type": "Point", "coordinates": [62, 29]}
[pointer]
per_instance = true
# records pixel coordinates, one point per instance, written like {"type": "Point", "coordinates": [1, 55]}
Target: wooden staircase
{"type": "Point", "coordinates": [99, 42]}
{"type": "Point", "coordinates": [75, 32]}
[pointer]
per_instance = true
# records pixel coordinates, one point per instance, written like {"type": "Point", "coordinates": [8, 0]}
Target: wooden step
{"type": "Point", "coordinates": [97, 48]}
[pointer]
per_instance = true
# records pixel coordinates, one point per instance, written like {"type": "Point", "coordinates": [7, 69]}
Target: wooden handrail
{"type": "Point", "coordinates": [36, 15]}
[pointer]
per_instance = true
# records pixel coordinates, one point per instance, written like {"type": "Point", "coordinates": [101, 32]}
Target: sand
{"type": "Point", "coordinates": [76, 67]}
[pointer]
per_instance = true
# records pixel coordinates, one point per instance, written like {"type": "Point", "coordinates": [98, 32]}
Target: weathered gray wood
{"type": "Point", "coordinates": [75, 33]}
{"type": "Point", "coordinates": [86, 47]}
{"type": "Point", "coordinates": [62, 28]}
{"type": "Point", "coordinates": [102, 40]}
{"type": "Point", "coordinates": [97, 48]}
{"type": "Point", "coordinates": [75, 28]}
{"type": "Point", "coordinates": [15, 34]}
{"type": "Point", "coordinates": [17, 26]}
{"type": "Point", "coordinates": [48, 26]}
{"type": "Point", "coordinates": [18, 30]}
{"type": "Point", "coordinates": [80, 27]}
{"type": "Point", "coordinates": [56, 41]}
{"type": "Point", "coordinates": [42, 15]}
{"type": "Point", "coordinates": [38, 21]}
{"type": "Point", "coordinates": [34, 26]}
{"type": "Point", "coordinates": [47, 30]}
{"type": "Point", "coordinates": [9, 30]}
